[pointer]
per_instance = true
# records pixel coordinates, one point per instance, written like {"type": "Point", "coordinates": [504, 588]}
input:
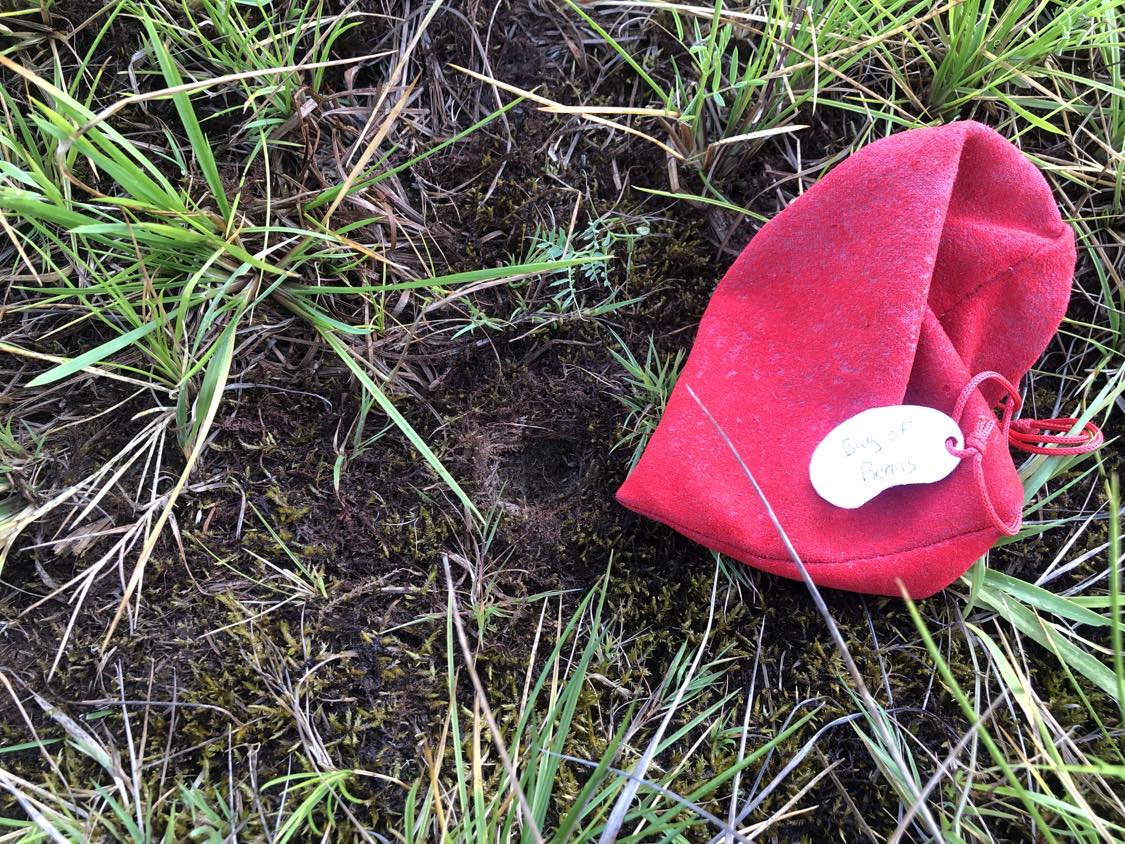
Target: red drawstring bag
{"type": "Point", "coordinates": [930, 268]}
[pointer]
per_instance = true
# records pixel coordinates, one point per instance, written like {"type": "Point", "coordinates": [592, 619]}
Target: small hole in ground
{"type": "Point", "coordinates": [543, 468]}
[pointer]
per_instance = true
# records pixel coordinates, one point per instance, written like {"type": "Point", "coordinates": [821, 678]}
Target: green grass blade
{"type": "Point", "coordinates": [407, 429]}
{"type": "Point", "coordinates": [974, 719]}
{"type": "Point", "coordinates": [1113, 496]}
{"type": "Point", "coordinates": [1042, 600]}
{"type": "Point", "coordinates": [96, 354]}
{"type": "Point", "coordinates": [201, 147]}
{"type": "Point", "coordinates": [1046, 634]}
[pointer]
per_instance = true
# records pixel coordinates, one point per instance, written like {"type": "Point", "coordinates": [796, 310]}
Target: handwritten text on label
{"type": "Point", "coordinates": [880, 448]}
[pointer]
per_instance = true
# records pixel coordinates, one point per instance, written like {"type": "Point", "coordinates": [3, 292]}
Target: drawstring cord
{"type": "Point", "coordinates": [1028, 435]}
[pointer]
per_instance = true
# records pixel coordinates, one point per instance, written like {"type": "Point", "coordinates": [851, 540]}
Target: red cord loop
{"type": "Point", "coordinates": [1025, 434]}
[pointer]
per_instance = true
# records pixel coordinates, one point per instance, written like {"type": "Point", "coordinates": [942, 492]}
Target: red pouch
{"type": "Point", "coordinates": [921, 261]}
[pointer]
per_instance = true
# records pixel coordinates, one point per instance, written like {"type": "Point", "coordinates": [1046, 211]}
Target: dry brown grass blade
{"type": "Point", "coordinates": [761, 133]}
{"type": "Point", "coordinates": [549, 105]}
{"type": "Point", "coordinates": [203, 84]}
{"type": "Point", "coordinates": [482, 699]}
{"type": "Point", "coordinates": [166, 511]}
{"type": "Point", "coordinates": [640, 769]}
{"type": "Point", "coordinates": [368, 154]}
{"type": "Point", "coordinates": [787, 811]}
{"type": "Point", "coordinates": [19, 351]}
{"type": "Point", "coordinates": [631, 111]}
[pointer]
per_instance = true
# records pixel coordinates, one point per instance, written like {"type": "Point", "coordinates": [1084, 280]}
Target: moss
{"type": "Point", "coordinates": [233, 645]}
{"type": "Point", "coordinates": [285, 512]}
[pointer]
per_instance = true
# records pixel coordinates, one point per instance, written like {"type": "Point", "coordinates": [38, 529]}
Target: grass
{"type": "Point", "coordinates": [328, 329]}
{"type": "Point", "coordinates": [178, 279]}
{"type": "Point", "coordinates": [648, 386]}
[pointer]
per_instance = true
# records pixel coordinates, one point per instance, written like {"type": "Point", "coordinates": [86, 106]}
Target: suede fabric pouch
{"type": "Point", "coordinates": [923, 259]}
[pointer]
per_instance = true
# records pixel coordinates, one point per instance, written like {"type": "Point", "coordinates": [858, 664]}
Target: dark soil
{"type": "Point", "coordinates": [528, 424]}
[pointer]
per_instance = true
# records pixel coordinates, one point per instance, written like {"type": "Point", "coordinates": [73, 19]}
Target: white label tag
{"type": "Point", "coordinates": [880, 448]}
